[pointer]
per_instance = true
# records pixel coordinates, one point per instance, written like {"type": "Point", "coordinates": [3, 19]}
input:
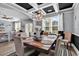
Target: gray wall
{"type": "Point", "coordinates": [13, 13]}
{"type": "Point", "coordinates": [68, 18]}
{"type": "Point", "coordinates": [7, 25]}
{"type": "Point", "coordinates": [76, 19]}
{"type": "Point", "coordinates": [23, 22]}
{"type": "Point", "coordinates": [60, 23]}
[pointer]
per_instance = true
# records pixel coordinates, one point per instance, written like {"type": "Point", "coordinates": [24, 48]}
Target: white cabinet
{"type": "Point", "coordinates": [5, 27]}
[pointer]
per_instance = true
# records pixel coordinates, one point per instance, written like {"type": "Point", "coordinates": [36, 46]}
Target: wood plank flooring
{"type": "Point", "coordinates": [7, 48]}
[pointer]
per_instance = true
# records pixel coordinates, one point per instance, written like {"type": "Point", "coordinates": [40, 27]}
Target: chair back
{"type": "Point", "coordinates": [18, 46]}
{"type": "Point", "coordinates": [45, 33]}
{"type": "Point", "coordinates": [68, 36]}
{"type": "Point", "coordinates": [57, 47]}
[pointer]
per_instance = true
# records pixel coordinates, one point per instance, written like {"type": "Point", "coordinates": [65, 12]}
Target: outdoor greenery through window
{"type": "Point", "coordinates": [50, 24]}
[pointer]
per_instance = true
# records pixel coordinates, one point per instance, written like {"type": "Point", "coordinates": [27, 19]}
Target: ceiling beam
{"type": "Point", "coordinates": [40, 7]}
{"type": "Point", "coordinates": [56, 7]}
{"type": "Point", "coordinates": [34, 5]}
{"type": "Point", "coordinates": [43, 11]}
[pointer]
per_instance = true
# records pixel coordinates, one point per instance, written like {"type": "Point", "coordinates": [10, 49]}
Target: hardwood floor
{"type": "Point", "coordinates": [7, 48]}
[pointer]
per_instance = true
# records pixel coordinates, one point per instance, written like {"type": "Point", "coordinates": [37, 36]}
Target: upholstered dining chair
{"type": "Point", "coordinates": [20, 49]}
{"type": "Point", "coordinates": [45, 33]}
{"type": "Point", "coordinates": [68, 36]}
{"type": "Point", "coordinates": [60, 49]}
{"type": "Point", "coordinates": [53, 52]}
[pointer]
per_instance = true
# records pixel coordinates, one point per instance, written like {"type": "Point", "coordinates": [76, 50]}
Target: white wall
{"type": "Point", "coordinates": [7, 29]}
{"type": "Point", "coordinates": [24, 22]}
{"type": "Point", "coordinates": [60, 24]}
{"type": "Point", "coordinates": [13, 13]}
{"type": "Point", "coordinates": [76, 19]}
{"type": "Point", "coordinates": [7, 25]}
{"type": "Point", "coordinates": [68, 18]}
{"type": "Point", "coordinates": [71, 20]}
{"type": "Point", "coordinates": [6, 10]}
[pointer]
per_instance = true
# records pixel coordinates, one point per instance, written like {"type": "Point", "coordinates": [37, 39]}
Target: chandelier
{"type": "Point", "coordinates": [39, 15]}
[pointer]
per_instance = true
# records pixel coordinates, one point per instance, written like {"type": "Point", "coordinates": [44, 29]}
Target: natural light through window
{"type": "Point", "coordinates": [50, 24]}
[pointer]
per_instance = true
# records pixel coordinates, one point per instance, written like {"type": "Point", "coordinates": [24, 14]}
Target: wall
{"type": "Point", "coordinates": [23, 22]}
{"type": "Point", "coordinates": [7, 25]}
{"type": "Point", "coordinates": [71, 20]}
{"type": "Point", "coordinates": [60, 23]}
{"type": "Point", "coordinates": [68, 23]}
{"type": "Point", "coordinates": [13, 13]}
{"type": "Point", "coordinates": [76, 19]}
{"type": "Point", "coordinates": [75, 36]}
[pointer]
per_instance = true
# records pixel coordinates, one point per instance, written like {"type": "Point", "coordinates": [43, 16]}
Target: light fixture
{"type": "Point", "coordinates": [39, 15]}
{"type": "Point", "coordinates": [6, 17]}
{"type": "Point", "coordinates": [3, 16]}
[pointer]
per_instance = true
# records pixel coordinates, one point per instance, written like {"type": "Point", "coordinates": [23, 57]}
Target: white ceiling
{"type": "Point", "coordinates": [12, 11]}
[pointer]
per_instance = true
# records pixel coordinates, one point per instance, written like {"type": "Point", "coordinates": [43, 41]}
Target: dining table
{"type": "Point", "coordinates": [42, 45]}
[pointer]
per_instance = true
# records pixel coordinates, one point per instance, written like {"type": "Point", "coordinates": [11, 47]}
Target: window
{"type": "Point", "coordinates": [17, 26]}
{"type": "Point", "coordinates": [50, 24]}
{"type": "Point", "coordinates": [30, 27]}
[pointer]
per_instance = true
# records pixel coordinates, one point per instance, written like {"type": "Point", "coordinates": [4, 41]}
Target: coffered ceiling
{"type": "Point", "coordinates": [46, 8]}
{"type": "Point", "coordinates": [28, 9]}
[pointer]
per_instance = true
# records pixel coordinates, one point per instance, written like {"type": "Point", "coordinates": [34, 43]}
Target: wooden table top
{"type": "Point", "coordinates": [30, 41]}
{"type": "Point", "coordinates": [37, 44]}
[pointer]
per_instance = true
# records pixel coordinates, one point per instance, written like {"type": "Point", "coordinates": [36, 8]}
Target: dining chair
{"type": "Point", "coordinates": [20, 49]}
{"type": "Point", "coordinates": [67, 39]}
{"type": "Point", "coordinates": [53, 52]}
{"type": "Point", "coordinates": [45, 33]}
{"type": "Point", "coordinates": [68, 36]}
{"type": "Point", "coordinates": [60, 49]}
